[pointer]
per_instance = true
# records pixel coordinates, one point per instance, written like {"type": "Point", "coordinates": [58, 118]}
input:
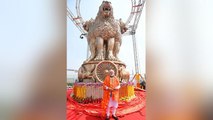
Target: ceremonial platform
{"type": "Point", "coordinates": [134, 108]}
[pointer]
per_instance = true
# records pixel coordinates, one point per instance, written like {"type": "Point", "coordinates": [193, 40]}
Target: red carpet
{"type": "Point", "coordinates": [135, 109]}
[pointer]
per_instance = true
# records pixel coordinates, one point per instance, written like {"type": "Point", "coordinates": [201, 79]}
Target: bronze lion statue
{"type": "Point", "coordinates": [104, 34]}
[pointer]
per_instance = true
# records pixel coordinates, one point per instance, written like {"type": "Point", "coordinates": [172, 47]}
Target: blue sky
{"type": "Point", "coordinates": [77, 48]}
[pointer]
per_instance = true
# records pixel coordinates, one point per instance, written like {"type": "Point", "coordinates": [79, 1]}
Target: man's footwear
{"type": "Point", "coordinates": [115, 117]}
{"type": "Point", "coordinates": [107, 118]}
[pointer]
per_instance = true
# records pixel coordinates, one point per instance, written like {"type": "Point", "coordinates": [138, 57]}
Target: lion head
{"type": "Point", "coordinates": [105, 10]}
{"type": "Point", "coordinates": [88, 24]}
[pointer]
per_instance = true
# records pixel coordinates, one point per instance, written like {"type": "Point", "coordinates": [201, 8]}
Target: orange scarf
{"type": "Point", "coordinates": [114, 82]}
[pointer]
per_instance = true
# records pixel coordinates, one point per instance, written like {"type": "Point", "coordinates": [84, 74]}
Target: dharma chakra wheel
{"type": "Point", "coordinates": [102, 67]}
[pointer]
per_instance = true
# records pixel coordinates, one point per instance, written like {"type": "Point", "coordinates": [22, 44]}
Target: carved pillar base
{"type": "Point", "coordinates": [95, 71]}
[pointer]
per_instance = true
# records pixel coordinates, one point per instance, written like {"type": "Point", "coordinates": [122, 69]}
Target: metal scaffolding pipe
{"type": "Point", "coordinates": [135, 53]}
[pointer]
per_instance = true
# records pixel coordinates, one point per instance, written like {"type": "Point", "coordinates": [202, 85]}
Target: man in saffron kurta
{"type": "Point", "coordinates": [111, 87]}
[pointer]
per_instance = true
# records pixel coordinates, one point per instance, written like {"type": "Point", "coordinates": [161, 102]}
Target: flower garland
{"type": "Point", "coordinates": [93, 92]}
{"type": "Point", "coordinates": [127, 91]}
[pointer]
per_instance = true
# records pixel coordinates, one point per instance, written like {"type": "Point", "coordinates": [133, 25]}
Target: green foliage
{"type": "Point", "coordinates": [70, 84]}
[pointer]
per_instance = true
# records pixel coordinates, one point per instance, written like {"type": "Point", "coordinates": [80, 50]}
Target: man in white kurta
{"type": "Point", "coordinates": [111, 94]}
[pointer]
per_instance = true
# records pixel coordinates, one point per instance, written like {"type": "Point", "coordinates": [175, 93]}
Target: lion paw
{"type": "Point", "coordinates": [99, 57]}
{"type": "Point", "coordinates": [111, 57]}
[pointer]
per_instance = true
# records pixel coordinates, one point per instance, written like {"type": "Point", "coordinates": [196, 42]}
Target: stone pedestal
{"type": "Point", "coordinates": [95, 71]}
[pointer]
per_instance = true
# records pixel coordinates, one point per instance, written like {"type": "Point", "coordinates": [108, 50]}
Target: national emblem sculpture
{"type": "Point", "coordinates": [104, 39]}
